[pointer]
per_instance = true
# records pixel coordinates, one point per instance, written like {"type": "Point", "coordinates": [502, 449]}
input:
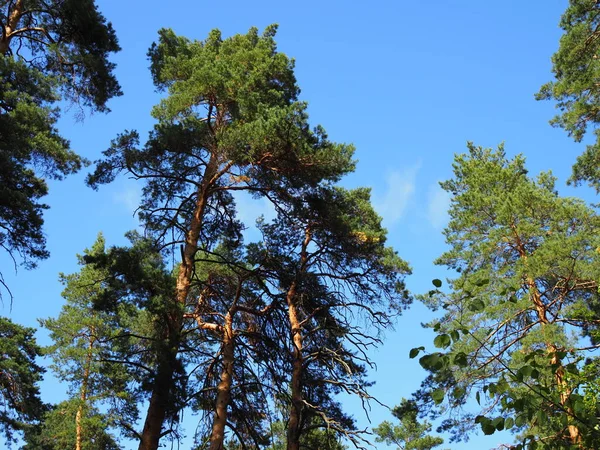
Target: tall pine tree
{"type": "Point", "coordinates": [231, 122]}
{"type": "Point", "coordinates": [339, 287]}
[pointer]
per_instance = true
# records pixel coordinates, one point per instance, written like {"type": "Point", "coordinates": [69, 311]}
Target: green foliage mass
{"type": "Point", "coordinates": [31, 150]}
{"type": "Point", "coordinates": [409, 434]}
{"type": "Point", "coordinates": [576, 68]}
{"type": "Point", "coordinates": [57, 429]}
{"type": "Point", "coordinates": [20, 375]}
{"type": "Point", "coordinates": [49, 50]}
{"type": "Point", "coordinates": [231, 114]}
{"type": "Point", "coordinates": [67, 40]}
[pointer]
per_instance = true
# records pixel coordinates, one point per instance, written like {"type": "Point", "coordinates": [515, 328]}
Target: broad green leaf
{"type": "Point", "coordinates": [415, 351]}
{"type": "Point", "coordinates": [442, 341]}
{"type": "Point", "coordinates": [438, 396]}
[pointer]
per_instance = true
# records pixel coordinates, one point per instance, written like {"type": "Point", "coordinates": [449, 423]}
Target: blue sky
{"type": "Point", "coordinates": [407, 82]}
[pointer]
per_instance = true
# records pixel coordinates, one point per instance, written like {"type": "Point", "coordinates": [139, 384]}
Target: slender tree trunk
{"type": "Point", "coordinates": [163, 382]}
{"type": "Point", "coordinates": [224, 389]}
{"type": "Point", "coordinates": [559, 374]}
{"type": "Point", "coordinates": [186, 268]}
{"type": "Point", "coordinates": [293, 431]}
{"type": "Point", "coordinates": [295, 420]}
{"type": "Point", "coordinates": [83, 394]}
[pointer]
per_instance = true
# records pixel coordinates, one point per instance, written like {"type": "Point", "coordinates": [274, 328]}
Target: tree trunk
{"type": "Point", "coordinates": [224, 389]}
{"type": "Point", "coordinates": [83, 394]}
{"type": "Point", "coordinates": [295, 420]}
{"type": "Point", "coordinates": [293, 431]}
{"type": "Point", "coordinates": [157, 408]}
{"type": "Point", "coordinates": [186, 268]}
{"type": "Point", "coordinates": [161, 390]}
{"type": "Point", "coordinates": [559, 374]}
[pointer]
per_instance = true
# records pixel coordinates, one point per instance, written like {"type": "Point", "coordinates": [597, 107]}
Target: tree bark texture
{"type": "Point", "coordinates": [224, 387]}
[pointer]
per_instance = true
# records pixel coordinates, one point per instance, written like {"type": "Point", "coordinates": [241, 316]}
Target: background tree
{"type": "Point", "coordinates": [20, 403]}
{"type": "Point", "coordinates": [576, 68]}
{"type": "Point", "coordinates": [83, 349]}
{"type": "Point", "coordinates": [46, 48]}
{"type": "Point", "coordinates": [58, 429]}
{"type": "Point", "coordinates": [315, 439]}
{"type": "Point", "coordinates": [409, 434]}
{"type": "Point", "coordinates": [515, 322]}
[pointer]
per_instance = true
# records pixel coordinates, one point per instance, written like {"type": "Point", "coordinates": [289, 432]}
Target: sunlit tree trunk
{"type": "Point", "coordinates": [10, 26]}
{"type": "Point", "coordinates": [294, 423]}
{"type": "Point", "coordinates": [224, 387]}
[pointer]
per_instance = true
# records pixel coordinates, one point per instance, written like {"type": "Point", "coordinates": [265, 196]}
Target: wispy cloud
{"type": "Point", "coordinates": [437, 206]}
{"type": "Point", "coordinates": [400, 188]}
{"type": "Point", "coordinates": [129, 197]}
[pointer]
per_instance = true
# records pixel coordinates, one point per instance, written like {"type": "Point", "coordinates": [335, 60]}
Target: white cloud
{"type": "Point", "coordinates": [437, 206]}
{"type": "Point", "coordinates": [400, 188]}
{"type": "Point", "coordinates": [129, 197]}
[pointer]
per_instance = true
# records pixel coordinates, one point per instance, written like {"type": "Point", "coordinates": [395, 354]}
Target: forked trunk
{"type": "Point", "coordinates": [10, 26]}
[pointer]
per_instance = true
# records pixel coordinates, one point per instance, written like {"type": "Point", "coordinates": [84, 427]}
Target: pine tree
{"type": "Point", "coordinates": [48, 50]}
{"type": "Point", "coordinates": [83, 350]}
{"type": "Point", "coordinates": [137, 287]}
{"type": "Point", "coordinates": [522, 303]}
{"type": "Point", "coordinates": [326, 254]}
{"type": "Point", "coordinates": [315, 439]}
{"type": "Point", "coordinates": [59, 427]}
{"type": "Point", "coordinates": [410, 434]}
{"type": "Point", "coordinates": [231, 388]}
{"type": "Point", "coordinates": [231, 122]}
{"type": "Point", "coordinates": [576, 68]}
